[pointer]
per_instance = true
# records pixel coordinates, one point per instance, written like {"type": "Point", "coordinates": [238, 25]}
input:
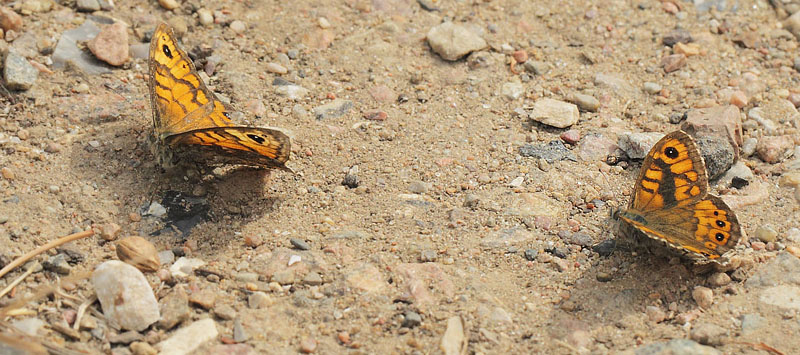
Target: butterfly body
{"type": "Point", "coordinates": [191, 123]}
{"type": "Point", "coordinates": [671, 203]}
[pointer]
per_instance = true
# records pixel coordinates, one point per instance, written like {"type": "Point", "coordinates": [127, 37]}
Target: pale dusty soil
{"type": "Point", "coordinates": [462, 140]}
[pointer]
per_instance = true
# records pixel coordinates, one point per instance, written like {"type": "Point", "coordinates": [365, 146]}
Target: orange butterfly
{"type": "Point", "coordinates": [671, 202]}
{"type": "Point", "coordinates": [191, 123]}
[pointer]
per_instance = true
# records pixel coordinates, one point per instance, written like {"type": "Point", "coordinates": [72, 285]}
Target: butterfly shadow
{"type": "Point", "coordinates": [619, 288]}
{"type": "Point", "coordinates": [216, 205]}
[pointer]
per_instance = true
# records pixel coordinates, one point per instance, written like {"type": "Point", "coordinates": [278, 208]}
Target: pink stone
{"type": "Point", "coordinates": [111, 44]}
{"type": "Point", "coordinates": [10, 20]}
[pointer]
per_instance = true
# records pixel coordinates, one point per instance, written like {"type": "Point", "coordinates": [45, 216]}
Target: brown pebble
{"type": "Point", "coordinates": [673, 62]}
{"type": "Point", "coordinates": [204, 298]}
{"type": "Point", "coordinates": [109, 231]}
{"type": "Point", "coordinates": [53, 147]}
{"type": "Point", "coordinates": [739, 99]}
{"type": "Point", "coordinates": [655, 314]}
{"type": "Point", "coordinates": [704, 296]}
{"type": "Point", "coordinates": [10, 20]}
{"type": "Point", "coordinates": [719, 279]}
{"type": "Point", "coordinates": [7, 173]}
{"type": "Point", "coordinates": [520, 56]}
{"type": "Point", "coordinates": [758, 245]}
{"type": "Point", "coordinates": [572, 136]}
{"type": "Point", "coordinates": [344, 337]}
{"type": "Point", "coordinates": [308, 346]}
{"type": "Point", "coordinates": [253, 241]}
{"type": "Point", "coordinates": [376, 115]}
{"type": "Point", "coordinates": [794, 98]}
{"type": "Point", "coordinates": [793, 250]}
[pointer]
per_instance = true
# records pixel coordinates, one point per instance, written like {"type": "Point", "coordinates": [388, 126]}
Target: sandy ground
{"type": "Point", "coordinates": [437, 225]}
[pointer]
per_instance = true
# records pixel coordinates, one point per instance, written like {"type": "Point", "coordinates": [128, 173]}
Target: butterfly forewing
{"type": "Point", "coordinates": [672, 174]}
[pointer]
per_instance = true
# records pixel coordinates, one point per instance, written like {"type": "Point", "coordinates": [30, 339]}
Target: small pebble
{"type": "Point", "coordinates": [308, 346]}
{"type": "Point", "coordinates": [571, 136]}
{"type": "Point", "coordinates": [7, 173]}
{"type": "Point", "coordinates": [718, 279]}
{"type": "Point", "coordinates": [238, 26]}
{"type": "Point", "coordinates": [766, 233]}
{"type": "Point", "coordinates": [276, 68]}
{"type": "Point", "coordinates": [586, 102]}
{"type": "Point", "coordinates": [655, 314]}
{"type": "Point", "coordinates": [411, 319]}
{"type": "Point", "coordinates": [169, 4]}
{"type": "Point", "coordinates": [299, 244]}
{"type": "Point", "coordinates": [205, 16]}
{"type": "Point", "coordinates": [703, 296]}
{"type": "Point", "coordinates": [604, 276]}
{"type": "Point", "coordinates": [651, 88]}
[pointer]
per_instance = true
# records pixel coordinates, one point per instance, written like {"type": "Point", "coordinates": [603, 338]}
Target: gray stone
{"type": "Point", "coordinates": [29, 326]}
{"type": "Point", "coordinates": [749, 146]}
{"type": "Point", "coordinates": [586, 102]}
{"type": "Point", "coordinates": [615, 83]}
{"type": "Point", "coordinates": [512, 91]}
{"type": "Point", "coordinates": [188, 339]}
{"type": "Point", "coordinates": [752, 323]}
{"type": "Point", "coordinates": [452, 41]}
{"type": "Point", "coordinates": [174, 308]}
{"type": "Point", "coordinates": [336, 108]}
{"type": "Point", "coordinates": [67, 50]}
{"type": "Point", "coordinates": [740, 170]}
{"type": "Point", "coordinates": [537, 67]}
{"type": "Point", "coordinates": [550, 152]}
{"type": "Point", "coordinates": [718, 154]}
{"type": "Point", "coordinates": [88, 5]}
{"type": "Point", "coordinates": [240, 334]}
{"type": "Point", "coordinates": [411, 319]}
{"type": "Point", "coordinates": [637, 145]}
{"type": "Point", "coordinates": [676, 347]}
{"type": "Point", "coordinates": [291, 92]}
{"type": "Point", "coordinates": [299, 244]}
{"type": "Point", "coordinates": [18, 72]}
{"type": "Point", "coordinates": [707, 334]}
{"type": "Point", "coordinates": [651, 88]}
{"type": "Point", "coordinates": [784, 268]}
{"type": "Point", "coordinates": [554, 113]}
{"type": "Point", "coordinates": [786, 297]}
{"type": "Point", "coordinates": [125, 295]}
{"type": "Point", "coordinates": [58, 264]}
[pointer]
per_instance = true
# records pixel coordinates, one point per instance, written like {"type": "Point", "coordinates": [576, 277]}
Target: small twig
{"type": "Point", "coordinates": [16, 282]}
{"type": "Point", "coordinates": [52, 244]}
{"type": "Point", "coordinates": [760, 346]}
{"type": "Point", "coordinates": [82, 311]}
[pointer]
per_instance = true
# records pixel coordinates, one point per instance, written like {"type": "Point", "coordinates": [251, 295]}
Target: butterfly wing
{"type": "Point", "coordinates": [707, 228]}
{"type": "Point", "coordinates": [673, 174]}
{"type": "Point", "coordinates": [268, 147]}
{"type": "Point", "coordinates": [181, 101]}
{"type": "Point", "coordinates": [187, 116]}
